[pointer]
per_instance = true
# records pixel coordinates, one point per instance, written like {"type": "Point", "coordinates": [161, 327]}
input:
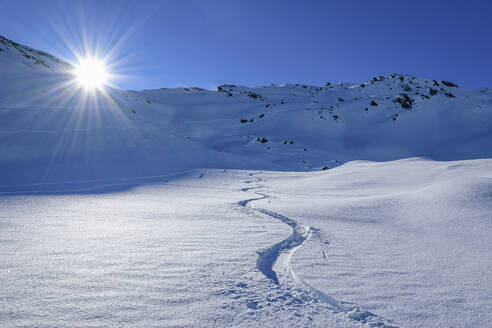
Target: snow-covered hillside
{"type": "Point", "coordinates": [345, 205]}
{"type": "Point", "coordinates": [409, 239]}
{"type": "Point", "coordinates": [23, 57]}
{"type": "Point", "coordinates": [50, 131]}
{"type": "Point", "coordinates": [394, 244]}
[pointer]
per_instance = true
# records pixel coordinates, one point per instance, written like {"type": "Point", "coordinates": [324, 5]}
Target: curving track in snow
{"type": "Point", "coordinates": [275, 263]}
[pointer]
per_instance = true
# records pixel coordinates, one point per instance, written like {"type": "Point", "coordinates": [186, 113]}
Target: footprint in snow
{"type": "Point", "coordinates": [253, 305]}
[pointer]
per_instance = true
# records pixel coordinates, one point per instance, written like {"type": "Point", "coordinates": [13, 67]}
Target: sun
{"type": "Point", "coordinates": [91, 74]}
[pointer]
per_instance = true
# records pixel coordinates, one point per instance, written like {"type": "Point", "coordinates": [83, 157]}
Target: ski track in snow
{"type": "Point", "coordinates": [280, 255]}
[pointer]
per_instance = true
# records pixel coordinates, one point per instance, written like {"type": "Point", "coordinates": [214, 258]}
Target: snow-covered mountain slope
{"type": "Point", "coordinates": [404, 243]}
{"type": "Point", "coordinates": [23, 57]}
{"type": "Point", "coordinates": [408, 239]}
{"type": "Point", "coordinates": [394, 244]}
{"type": "Point", "coordinates": [51, 131]}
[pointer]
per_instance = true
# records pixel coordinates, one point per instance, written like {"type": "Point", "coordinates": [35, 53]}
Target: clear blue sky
{"type": "Point", "coordinates": [156, 44]}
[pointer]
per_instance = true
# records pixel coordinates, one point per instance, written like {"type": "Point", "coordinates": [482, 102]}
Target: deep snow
{"type": "Point", "coordinates": [51, 131]}
{"type": "Point", "coordinates": [410, 240]}
{"type": "Point", "coordinates": [393, 244]}
{"type": "Point", "coordinates": [189, 207]}
{"type": "Point", "coordinates": [180, 254]}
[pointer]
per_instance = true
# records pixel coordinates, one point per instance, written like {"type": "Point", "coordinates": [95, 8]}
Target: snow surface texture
{"type": "Point", "coordinates": [108, 217]}
{"type": "Point", "coordinates": [394, 244]}
{"type": "Point", "coordinates": [52, 132]}
{"type": "Point", "coordinates": [410, 240]}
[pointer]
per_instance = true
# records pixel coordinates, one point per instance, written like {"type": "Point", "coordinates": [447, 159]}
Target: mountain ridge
{"type": "Point", "coordinates": [53, 131]}
{"type": "Point", "coordinates": [36, 57]}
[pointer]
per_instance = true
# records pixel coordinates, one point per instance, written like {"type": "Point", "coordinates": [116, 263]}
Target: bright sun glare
{"type": "Point", "coordinates": [91, 74]}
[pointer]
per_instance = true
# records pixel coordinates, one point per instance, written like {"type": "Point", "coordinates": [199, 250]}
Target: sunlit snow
{"type": "Point", "coordinates": [344, 205]}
